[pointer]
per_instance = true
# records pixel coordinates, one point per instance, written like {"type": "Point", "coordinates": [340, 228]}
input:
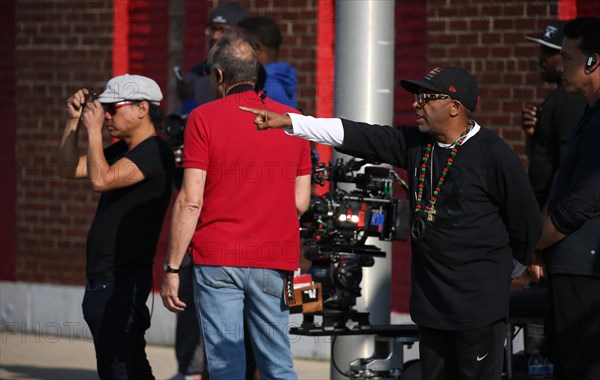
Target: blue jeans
{"type": "Point", "coordinates": [228, 296]}
{"type": "Point", "coordinates": [116, 312]}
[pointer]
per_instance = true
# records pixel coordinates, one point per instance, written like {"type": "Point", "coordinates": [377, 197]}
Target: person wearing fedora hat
{"type": "Point", "coordinates": [473, 211]}
{"type": "Point", "coordinates": [134, 177]}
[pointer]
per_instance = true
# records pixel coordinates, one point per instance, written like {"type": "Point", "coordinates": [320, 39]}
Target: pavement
{"type": "Point", "coordinates": [43, 357]}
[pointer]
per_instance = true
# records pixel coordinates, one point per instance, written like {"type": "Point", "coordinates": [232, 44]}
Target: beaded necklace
{"type": "Point", "coordinates": [429, 209]}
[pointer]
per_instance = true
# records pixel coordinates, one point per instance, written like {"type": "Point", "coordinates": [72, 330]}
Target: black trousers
{"type": "Point", "coordinates": [573, 327]}
{"type": "Point", "coordinates": [460, 355]}
{"type": "Point", "coordinates": [116, 313]}
{"type": "Point", "coordinates": [189, 350]}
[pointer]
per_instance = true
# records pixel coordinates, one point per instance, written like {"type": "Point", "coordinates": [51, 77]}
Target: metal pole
{"type": "Point", "coordinates": [364, 82]}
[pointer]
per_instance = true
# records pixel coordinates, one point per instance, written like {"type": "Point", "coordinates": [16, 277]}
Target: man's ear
{"type": "Point", "coordinates": [591, 62]}
{"type": "Point", "coordinates": [144, 108]}
{"type": "Point", "coordinates": [456, 108]}
{"type": "Point", "coordinates": [219, 75]}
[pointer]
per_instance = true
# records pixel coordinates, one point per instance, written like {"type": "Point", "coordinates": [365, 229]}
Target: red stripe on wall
{"type": "Point", "coordinates": [588, 8]}
{"type": "Point", "coordinates": [149, 41]}
{"type": "Point", "coordinates": [120, 37]}
{"type": "Point", "coordinates": [325, 74]}
{"type": "Point", "coordinates": [411, 62]}
{"type": "Point", "coordinates": [194, 44]}
{"type": "Point", "coordinates": [8, 165]}
{"type": "Point", "coordinates": [567, 9]}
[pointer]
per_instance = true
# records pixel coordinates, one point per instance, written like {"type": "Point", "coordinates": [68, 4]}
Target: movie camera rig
{"type": "Point", "coordinates": [335, 230]}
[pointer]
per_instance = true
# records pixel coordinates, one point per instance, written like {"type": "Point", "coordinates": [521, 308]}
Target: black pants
{"type": "Point", "coordinates": [460, 355]}
{"type": "Point", "coordinates": [116, 312]}
{"type": "Point", "coordinates": [188, 345]}
{"type": "Point", "coordinates": [573, 327]}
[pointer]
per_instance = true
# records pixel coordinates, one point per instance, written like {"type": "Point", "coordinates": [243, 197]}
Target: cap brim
{"type": "Point", "coordinates": [542, 42]}
{"type": "Point", "coordinates": [109, 98]}
{"type": "Point", "coordinates": [413, 86]}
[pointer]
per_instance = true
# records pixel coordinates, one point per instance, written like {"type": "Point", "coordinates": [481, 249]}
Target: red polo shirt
{"type": "Point", "coordinates": [248, 216]}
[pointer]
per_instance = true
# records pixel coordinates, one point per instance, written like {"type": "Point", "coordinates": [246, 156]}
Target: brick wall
{"type": "Point", "coordinates": [63, 45]}
{"type": "Point", "coordinates": [488, 39]}
{"type": "Point", "coordinates": [60, 46]}
{"type": "Point", "coordinates": [297, 20]}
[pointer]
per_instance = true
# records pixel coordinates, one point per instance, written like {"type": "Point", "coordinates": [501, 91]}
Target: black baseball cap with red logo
{"type": "Point", "coordinates": [455, 82]}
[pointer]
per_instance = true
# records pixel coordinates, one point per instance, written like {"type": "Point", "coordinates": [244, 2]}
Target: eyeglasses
{"type": "Point", "coordinates": [111, 108]}
{"type": "Point", "coordinates": [422, 98]}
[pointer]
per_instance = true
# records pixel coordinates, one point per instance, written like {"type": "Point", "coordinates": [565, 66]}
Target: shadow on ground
{"type": "Point", "coordinates": [53, 373]}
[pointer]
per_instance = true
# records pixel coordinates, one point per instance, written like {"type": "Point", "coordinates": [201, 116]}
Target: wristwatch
{"type": "Point", "coordinates": [168, 269]}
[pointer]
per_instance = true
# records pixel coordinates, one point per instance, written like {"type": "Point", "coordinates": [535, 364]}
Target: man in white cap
{"type": "Point", "coordinates": [134, 177]}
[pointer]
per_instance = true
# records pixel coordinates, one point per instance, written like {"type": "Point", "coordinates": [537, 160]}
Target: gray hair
{"type": "Point", "coordinates": [236, 56]}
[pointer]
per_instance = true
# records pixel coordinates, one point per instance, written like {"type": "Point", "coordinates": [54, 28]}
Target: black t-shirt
{"type": "Point", "coordinates": [558, 118]}
{"type": "Point", "coordinates": [486, 215]}
{"type": "Point", "coordinates": [128, 220]}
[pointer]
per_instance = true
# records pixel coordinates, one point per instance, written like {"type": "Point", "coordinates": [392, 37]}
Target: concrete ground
{"type": "Point", "coordinates": [37, 357]}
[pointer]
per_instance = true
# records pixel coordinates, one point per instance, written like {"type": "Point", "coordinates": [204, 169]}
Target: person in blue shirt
{"type": "Point", "coordinates": [281, 81]}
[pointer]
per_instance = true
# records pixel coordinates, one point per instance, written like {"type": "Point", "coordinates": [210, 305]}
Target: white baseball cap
{"type": "Point", "coordinates": [131, 87]}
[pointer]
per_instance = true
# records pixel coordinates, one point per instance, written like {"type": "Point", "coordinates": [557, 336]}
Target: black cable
{"type": "Point", "coordinates": [333, 358]}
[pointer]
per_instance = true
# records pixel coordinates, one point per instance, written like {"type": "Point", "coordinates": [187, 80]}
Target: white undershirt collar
{"type": "Point", "coordinates": [471, 133]}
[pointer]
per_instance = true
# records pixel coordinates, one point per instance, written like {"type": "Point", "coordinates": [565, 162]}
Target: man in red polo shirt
{"type": "Point", "coordinates": [238, 213]}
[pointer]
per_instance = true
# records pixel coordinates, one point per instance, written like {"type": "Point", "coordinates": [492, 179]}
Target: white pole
{"type": "Point", "coordinates": [364, 82]}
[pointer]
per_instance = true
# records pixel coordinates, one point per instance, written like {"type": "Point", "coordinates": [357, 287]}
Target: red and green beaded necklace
{"type": "Point", "coordinates": [429, 209]}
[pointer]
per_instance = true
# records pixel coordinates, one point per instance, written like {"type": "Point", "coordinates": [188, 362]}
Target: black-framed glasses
{"type": "Point", "coordinates": [423, 97]}
{"type": "Point", "coordinates": [111, 108]}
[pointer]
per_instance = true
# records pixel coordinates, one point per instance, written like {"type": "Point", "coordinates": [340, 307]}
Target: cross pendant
{"type": "Point", "coordinates": [431, 214]}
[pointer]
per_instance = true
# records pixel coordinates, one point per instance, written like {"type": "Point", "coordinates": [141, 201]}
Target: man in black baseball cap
{"type": "Point", "coordinates": [552, 35]}
{"type": "Point", "coordinates": [195, 89]}
{"type": "Point", "coordinates": [548, 125]}
{"type": "Point", "coordinates": [473, 211]}
{"type": "Point", "coordinates": [224, 17]}
{"type": "Point", "coordinates": [455, 82]}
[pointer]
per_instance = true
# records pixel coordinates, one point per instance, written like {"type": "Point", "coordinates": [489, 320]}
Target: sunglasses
{"type": "Point", "coordinates": [111, 108]}
{"type": "Point", "coordinates": [422, 98]}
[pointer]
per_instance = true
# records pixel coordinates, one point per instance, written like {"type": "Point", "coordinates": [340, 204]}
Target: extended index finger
{"type": "Point", "coordinates": [255, 111]}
